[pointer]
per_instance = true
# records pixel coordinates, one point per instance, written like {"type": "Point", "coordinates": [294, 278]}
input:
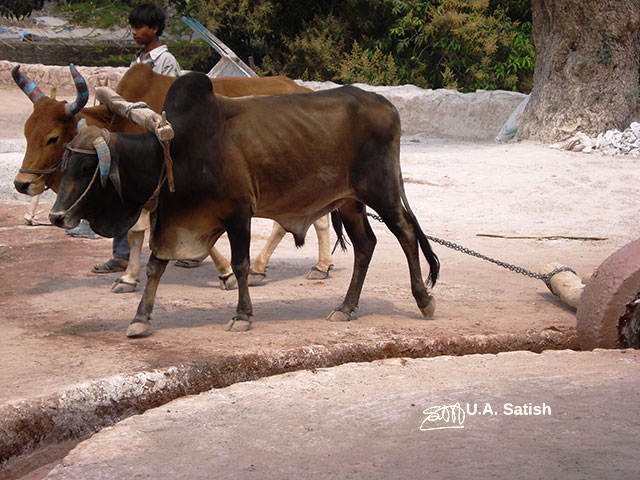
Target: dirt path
{"type": "Point", "coordinates": [61, 325]}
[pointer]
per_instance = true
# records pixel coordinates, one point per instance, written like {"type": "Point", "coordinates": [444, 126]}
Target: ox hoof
{"type": "Point", "coordinates": [138, 329]}
{"type": "Point", "coordinates": [430, 310]}
{"type": "Point", "coordinates": [122, 286]}
{"type": "Point", "coordinates": [237, 324]}
{"type": "Point", "coordinates": [228, 282]}
{"type": "Point", "coordinates": [256, 278]}
{"type": "Point", "coordinates": [338, 316]}
{"type": "Point", "coordinates": [318, 274]}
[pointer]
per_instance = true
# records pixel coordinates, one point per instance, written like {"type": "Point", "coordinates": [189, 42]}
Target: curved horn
{"type": "Point", "coordinates": [104, 159]}
{"type": "Point", "coordinates": [29, 87]}
{"type": "Point", "coordinates": [82, 96]}
{"type": "Point", "coordinates": [104, 162]}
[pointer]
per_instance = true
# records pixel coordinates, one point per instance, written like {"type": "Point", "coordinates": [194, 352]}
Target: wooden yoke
{"type": "Point", "coordinates": [141, 114]}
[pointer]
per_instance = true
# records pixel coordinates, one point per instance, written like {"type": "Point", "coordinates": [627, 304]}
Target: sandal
{"type": "Point", "coordinates": [110, 266]}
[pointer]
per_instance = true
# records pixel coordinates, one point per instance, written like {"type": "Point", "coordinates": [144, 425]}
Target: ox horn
{"type": "Point", "coordinates": [104, 162]}
{"type": "Point", "coordinates": [82, 96]}
{"type": "Point", "coordinates": [28, 86]}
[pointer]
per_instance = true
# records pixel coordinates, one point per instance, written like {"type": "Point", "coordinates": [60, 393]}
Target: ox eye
{"type": "Point", "coordinates": [52, 140]}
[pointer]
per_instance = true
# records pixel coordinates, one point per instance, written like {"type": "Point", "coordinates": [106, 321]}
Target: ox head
{"type": "Point", "coordinates": [49, 127]}
{"type": "Point", "coordinates": [90, 186]}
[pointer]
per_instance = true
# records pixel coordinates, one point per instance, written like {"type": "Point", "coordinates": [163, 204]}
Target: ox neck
{"type": "Point", "coordinates": [100, 116]}
{"type": "Point", "coordinates": [140, 159]}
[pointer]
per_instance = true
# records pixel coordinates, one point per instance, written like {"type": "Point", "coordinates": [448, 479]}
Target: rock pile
{"type": "Point", "coordinates": [611, 142]}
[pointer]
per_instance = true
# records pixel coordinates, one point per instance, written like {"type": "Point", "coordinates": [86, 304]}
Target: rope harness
{"type": "Point", "coordinates": [165, 142]}
{"type": "Point", "coordinates": [93, 179]}
{"type": "Point", "coordinates": [64, 162]}
{"type": "Point", "coordinates": [42, 172]}
{"type": "Point", "coordinates": [546, 278]}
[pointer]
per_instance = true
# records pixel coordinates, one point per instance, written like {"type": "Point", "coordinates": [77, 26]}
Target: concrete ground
{"type": "Point", "coordinates": [570, 415]}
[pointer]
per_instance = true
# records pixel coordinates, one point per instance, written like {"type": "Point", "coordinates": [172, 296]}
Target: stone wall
{"type": "Point", "coordinates": [445, 113]}
{"type": "Point", "coordinates": [58, 53]}
{"type": "Point", "coordinates": [432, 113]}
{"type": "Point", "coordinates": [47, 76]}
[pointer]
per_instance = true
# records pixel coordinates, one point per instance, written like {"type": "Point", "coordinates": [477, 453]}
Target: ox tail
{"type": "Point", "coordinates": [336, 221]}
{"type": "Point", "coordinates": [432, 258]}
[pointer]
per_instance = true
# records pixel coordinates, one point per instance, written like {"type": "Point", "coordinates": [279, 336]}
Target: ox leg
{"type": "Point", "coordinates": [225, 272]}
{"type": "Point", "coordinates": [30, 215]}
{"type": "Point", "coordinates": [355, 222]}
{"type": "Point", "coordinates": [320, 271]}
{"type": "Point", "coordinates": [258, 270]}
{"type": "Point", "coordinates": [141, 323]}
{"type": "Point", "coordinates": [240, 238]}
{"type": "Point", "coordinates": [129, 280]}
{"type": "Point", "coordinates": [399, 222]}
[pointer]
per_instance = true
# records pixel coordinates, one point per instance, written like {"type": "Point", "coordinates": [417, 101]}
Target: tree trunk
{"type": "Point", "coordinates": [586, 73]}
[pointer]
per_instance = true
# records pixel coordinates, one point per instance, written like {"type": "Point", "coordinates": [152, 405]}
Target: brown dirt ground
{"type": "Point", "coordinates": [61, 326]}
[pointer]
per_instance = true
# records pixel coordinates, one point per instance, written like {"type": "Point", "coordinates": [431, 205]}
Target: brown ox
{"type": "Point", "coordinates": [290, 158]}
{"type": "Point", "coordinates": [53, 123]}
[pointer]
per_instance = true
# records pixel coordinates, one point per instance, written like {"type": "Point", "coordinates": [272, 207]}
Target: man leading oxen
{"type": "Point", "coordinates": [53, 123]}
{"type": "Point", "coordinates": [291, 158]}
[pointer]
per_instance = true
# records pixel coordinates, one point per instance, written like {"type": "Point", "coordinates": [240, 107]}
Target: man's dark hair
{"type": "Point", "coordinates": [148, 14]}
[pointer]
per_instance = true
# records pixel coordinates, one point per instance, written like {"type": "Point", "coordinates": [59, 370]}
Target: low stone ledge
{"type": "Point", "coordinates": [48, 76]}
{"type": "Point", "coordinates": [435, 113]}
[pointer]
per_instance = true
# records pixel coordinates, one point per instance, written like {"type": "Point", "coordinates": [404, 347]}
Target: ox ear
{"type": "Point", "coordinates": [108, 169]}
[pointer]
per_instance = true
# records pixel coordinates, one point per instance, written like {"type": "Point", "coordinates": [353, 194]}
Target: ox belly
{"type": "Point", "coordinates": [191, 234]}
{"type": "Point", "coordinates": [185, 232]}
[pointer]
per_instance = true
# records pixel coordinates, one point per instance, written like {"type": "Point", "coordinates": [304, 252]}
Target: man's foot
{"type": "Point", "coordinates": [110, 266]}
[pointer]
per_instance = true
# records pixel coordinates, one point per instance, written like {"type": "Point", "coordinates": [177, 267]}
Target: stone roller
{"type": "Point", "coordinates": [607, 303]}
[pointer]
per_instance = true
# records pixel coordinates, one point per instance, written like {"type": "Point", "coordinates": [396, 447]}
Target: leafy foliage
{"type": "Point", "coordinates": [105, 14]}
{"type": "Point", "coordinates": [19, 8]}
{"type": "Point", "coordinates": [462, 44]}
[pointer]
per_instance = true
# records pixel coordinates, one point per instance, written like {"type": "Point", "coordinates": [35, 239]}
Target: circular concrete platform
{"type": "Point", "coordinates": [570, 415]}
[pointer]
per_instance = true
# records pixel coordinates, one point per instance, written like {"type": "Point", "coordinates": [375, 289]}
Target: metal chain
{"type": "Point", "coordinates": [544, 277]}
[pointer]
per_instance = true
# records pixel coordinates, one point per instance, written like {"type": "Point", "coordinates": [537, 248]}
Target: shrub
{"type": "Point", "coordinates": [19, 8]}
{"type": "Point", "coordinates": [462, 44]}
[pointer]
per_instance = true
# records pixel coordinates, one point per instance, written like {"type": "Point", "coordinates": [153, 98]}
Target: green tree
{"type": "Point", "coordinates": [463, 44]}
{"type": "Point", "coordinates": [19, 8]}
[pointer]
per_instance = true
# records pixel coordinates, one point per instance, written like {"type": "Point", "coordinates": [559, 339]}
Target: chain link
{"type": "Point", "coordinates": [544, 277]}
